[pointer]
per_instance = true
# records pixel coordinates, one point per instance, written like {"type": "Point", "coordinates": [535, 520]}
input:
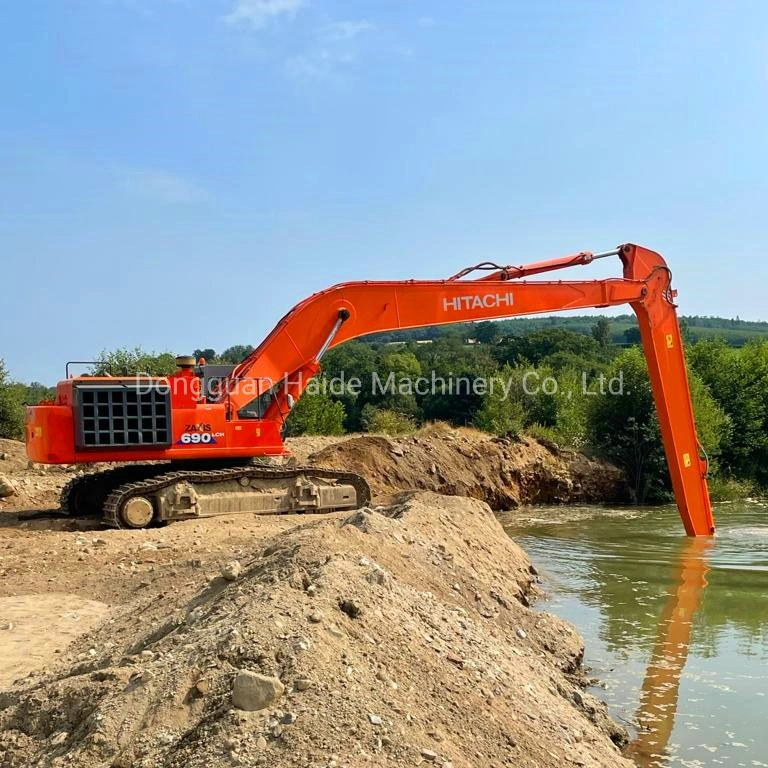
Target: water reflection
{"type": "Point", "coordinates": [655, 717]}
{"type": "Point", "coordinates": [683, 659]}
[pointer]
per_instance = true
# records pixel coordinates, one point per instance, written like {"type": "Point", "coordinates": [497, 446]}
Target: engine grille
{"type": "Point", "coordinates": [123, 415]}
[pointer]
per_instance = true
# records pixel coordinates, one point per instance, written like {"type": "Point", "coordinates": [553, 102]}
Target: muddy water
{"type": "Point", "coordinates": [676, 629]}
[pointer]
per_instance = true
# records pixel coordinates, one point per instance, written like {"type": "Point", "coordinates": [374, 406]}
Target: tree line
{"type": "Point", "coordinates": [550, 382]}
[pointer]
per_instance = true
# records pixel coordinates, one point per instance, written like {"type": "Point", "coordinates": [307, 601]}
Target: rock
{"type": "Point", "coordinates": [7, 488]}
{"type": "Point", "coordinates": [252, 691]}
{"type": "Point", "coordinates": [520, 632]}
{"type": "Point", "coordinates": [261, 742]}
{"type": "Point", "coordinates": [379, 576]}
{"type": "Point", "coordinates": [59, 738]}
{"type": "Point", "coordinates": [99, 542]}
{"type": "Point", "coordinates": [302, 683]}
{"type": "Point", "coordinates": [4, 457]}
{"type": "Point", "coordinates": [374, 719]}
{"type": "Point", "coordinates": [202, 687]}
{"type": "Point", "coordinates": [231, 570]}
{"type": "Point", "coordinates": [289, 718]}
{"type": "Point", "coordinates": [351, 608]}
{"type": "Point", "coordinates": [428, 754]}
{"type": "Point", "coordinates": [316, 617]}
{"type": "Point", "coordinates": [397, 451]}
{"type": "Point", "coordinates": [302, 644]}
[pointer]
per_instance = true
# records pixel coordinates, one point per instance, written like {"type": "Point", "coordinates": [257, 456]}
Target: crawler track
{"type": "Point", "coordinates": [105, 493]}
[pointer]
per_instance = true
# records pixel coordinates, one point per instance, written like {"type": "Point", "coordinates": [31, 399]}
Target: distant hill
{"type": "Point", "coordinates": [623, 328]}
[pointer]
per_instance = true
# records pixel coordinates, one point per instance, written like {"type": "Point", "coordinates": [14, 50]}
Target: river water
{"type": "Point", "coordinates": [676, 629]}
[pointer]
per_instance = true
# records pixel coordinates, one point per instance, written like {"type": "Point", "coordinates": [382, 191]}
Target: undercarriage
{"type": "Point", "coordinates": [138, 496]}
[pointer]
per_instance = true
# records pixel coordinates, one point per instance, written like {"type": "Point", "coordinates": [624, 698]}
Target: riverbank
{"type": "Point", "coordinates": [398, 635]}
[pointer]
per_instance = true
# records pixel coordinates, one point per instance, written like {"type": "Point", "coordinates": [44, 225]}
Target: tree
{"type": "Point", "coordinates": [535, 347]}
{"type": "Point", "coordinates": [390, 385]}
{"type": "Point", "coordinates": [625, 428]}
{"type": "Point", "coordinates": [601, 332]}
{"type": "Point", "coordinates": [315, 414]}
{"type": "Point", "coordinates": [345, 364]}
{"type": "Point", "coordinates": [385, 420]}
{"type": "Point", "coordinates": [487, 332]}
{"type": "Point", "coordinates": [738, 380]}
{"type": "Point", "coordinates": [236, 354]}
{"type": "Point", "coordinates": [632, 335]}
{"type": "Point", "coordinates": [11, 407]}
{"type": "Point", "coordinates": [572, 407]}
{"type": "Point", "coordinates": [130, 362]}
{"type": "Point", "coordinates": [208, 354]}
{"type": "Point", "coordinates": [501, 412]}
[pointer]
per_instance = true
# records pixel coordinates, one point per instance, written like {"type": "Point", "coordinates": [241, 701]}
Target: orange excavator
{"type": "Point", "coordinates": [189, 444]}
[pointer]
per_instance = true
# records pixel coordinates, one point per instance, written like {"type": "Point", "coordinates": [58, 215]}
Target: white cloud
{"type": "Point", "coordinates": [334, 47]}
{"type": "Point", "coordinates": [159, 186]}
{"type": "Point", "coordinates": [258, 13]}
{"type": "Point", "coordinates": [345, 30]}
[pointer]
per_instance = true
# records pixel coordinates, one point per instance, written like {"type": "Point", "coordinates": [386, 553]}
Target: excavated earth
{"type": "Point", "coordinates": [397, 635]}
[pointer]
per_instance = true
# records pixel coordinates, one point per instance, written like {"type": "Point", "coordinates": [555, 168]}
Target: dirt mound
{"type": "Point", "coordinates": [461, 462]}
{"type": "Point", "coordinates": [34, 485]}
{"type": "Point", "coordinates": [501, 472]}
{"type": "Point", "coordinates": [401, 636]}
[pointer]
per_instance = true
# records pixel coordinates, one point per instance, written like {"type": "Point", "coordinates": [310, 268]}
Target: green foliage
{"type": "Point", "coordinates": [538, 346]}
{"type": "Point", "coordinates": [315, 414]}
{"type": "Point", "coordinates": [738, 380]}
{"type": "Point", "coordinates": [724, 488]}
{"type": "Point", "coordinates": [729, 390]}
{"type": "Point", "coordinates": [601, 332]}
{"type": "Point", "coordinates": [130, 362]}
{"type": "Point", "coordinates": [349, 362]}
{"type": "Point", "coordinates": [14, 396]}
{"type": "Point", "coordinates": [713, 425]}
{"type": "Point", "coordinates": [625, 428]}
{"type": "Point", "coordinates": [386, 420]}
{"type": "Point", "coordinates": [487, 332]}
{"type": "Point", "coordinates": [571, 415]}
{"type": "Point", "coordinates": [502, 412]}
{"type": "Point", "coordinates": [11, 408]}
{"type": "Point", "coordinates": [623, 329]}
{"type": "Point", "coordinates": [234, 355]}
{"type": "Point", "coordinates": [208, 354]}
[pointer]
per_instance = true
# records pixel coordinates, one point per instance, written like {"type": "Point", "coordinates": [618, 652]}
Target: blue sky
{"type": "Point", "coordinates": [178, 173]}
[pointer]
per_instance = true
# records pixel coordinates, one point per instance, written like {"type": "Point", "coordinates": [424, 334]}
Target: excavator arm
{"type": "Point", "coordinates": [290, 355]}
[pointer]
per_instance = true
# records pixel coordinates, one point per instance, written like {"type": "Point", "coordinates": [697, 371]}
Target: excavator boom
{"type": "Point", "coordinates": [103, 419]}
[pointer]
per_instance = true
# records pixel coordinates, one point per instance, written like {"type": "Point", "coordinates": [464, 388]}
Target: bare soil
{"type": "Point", "coordinates": [401, 634]}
